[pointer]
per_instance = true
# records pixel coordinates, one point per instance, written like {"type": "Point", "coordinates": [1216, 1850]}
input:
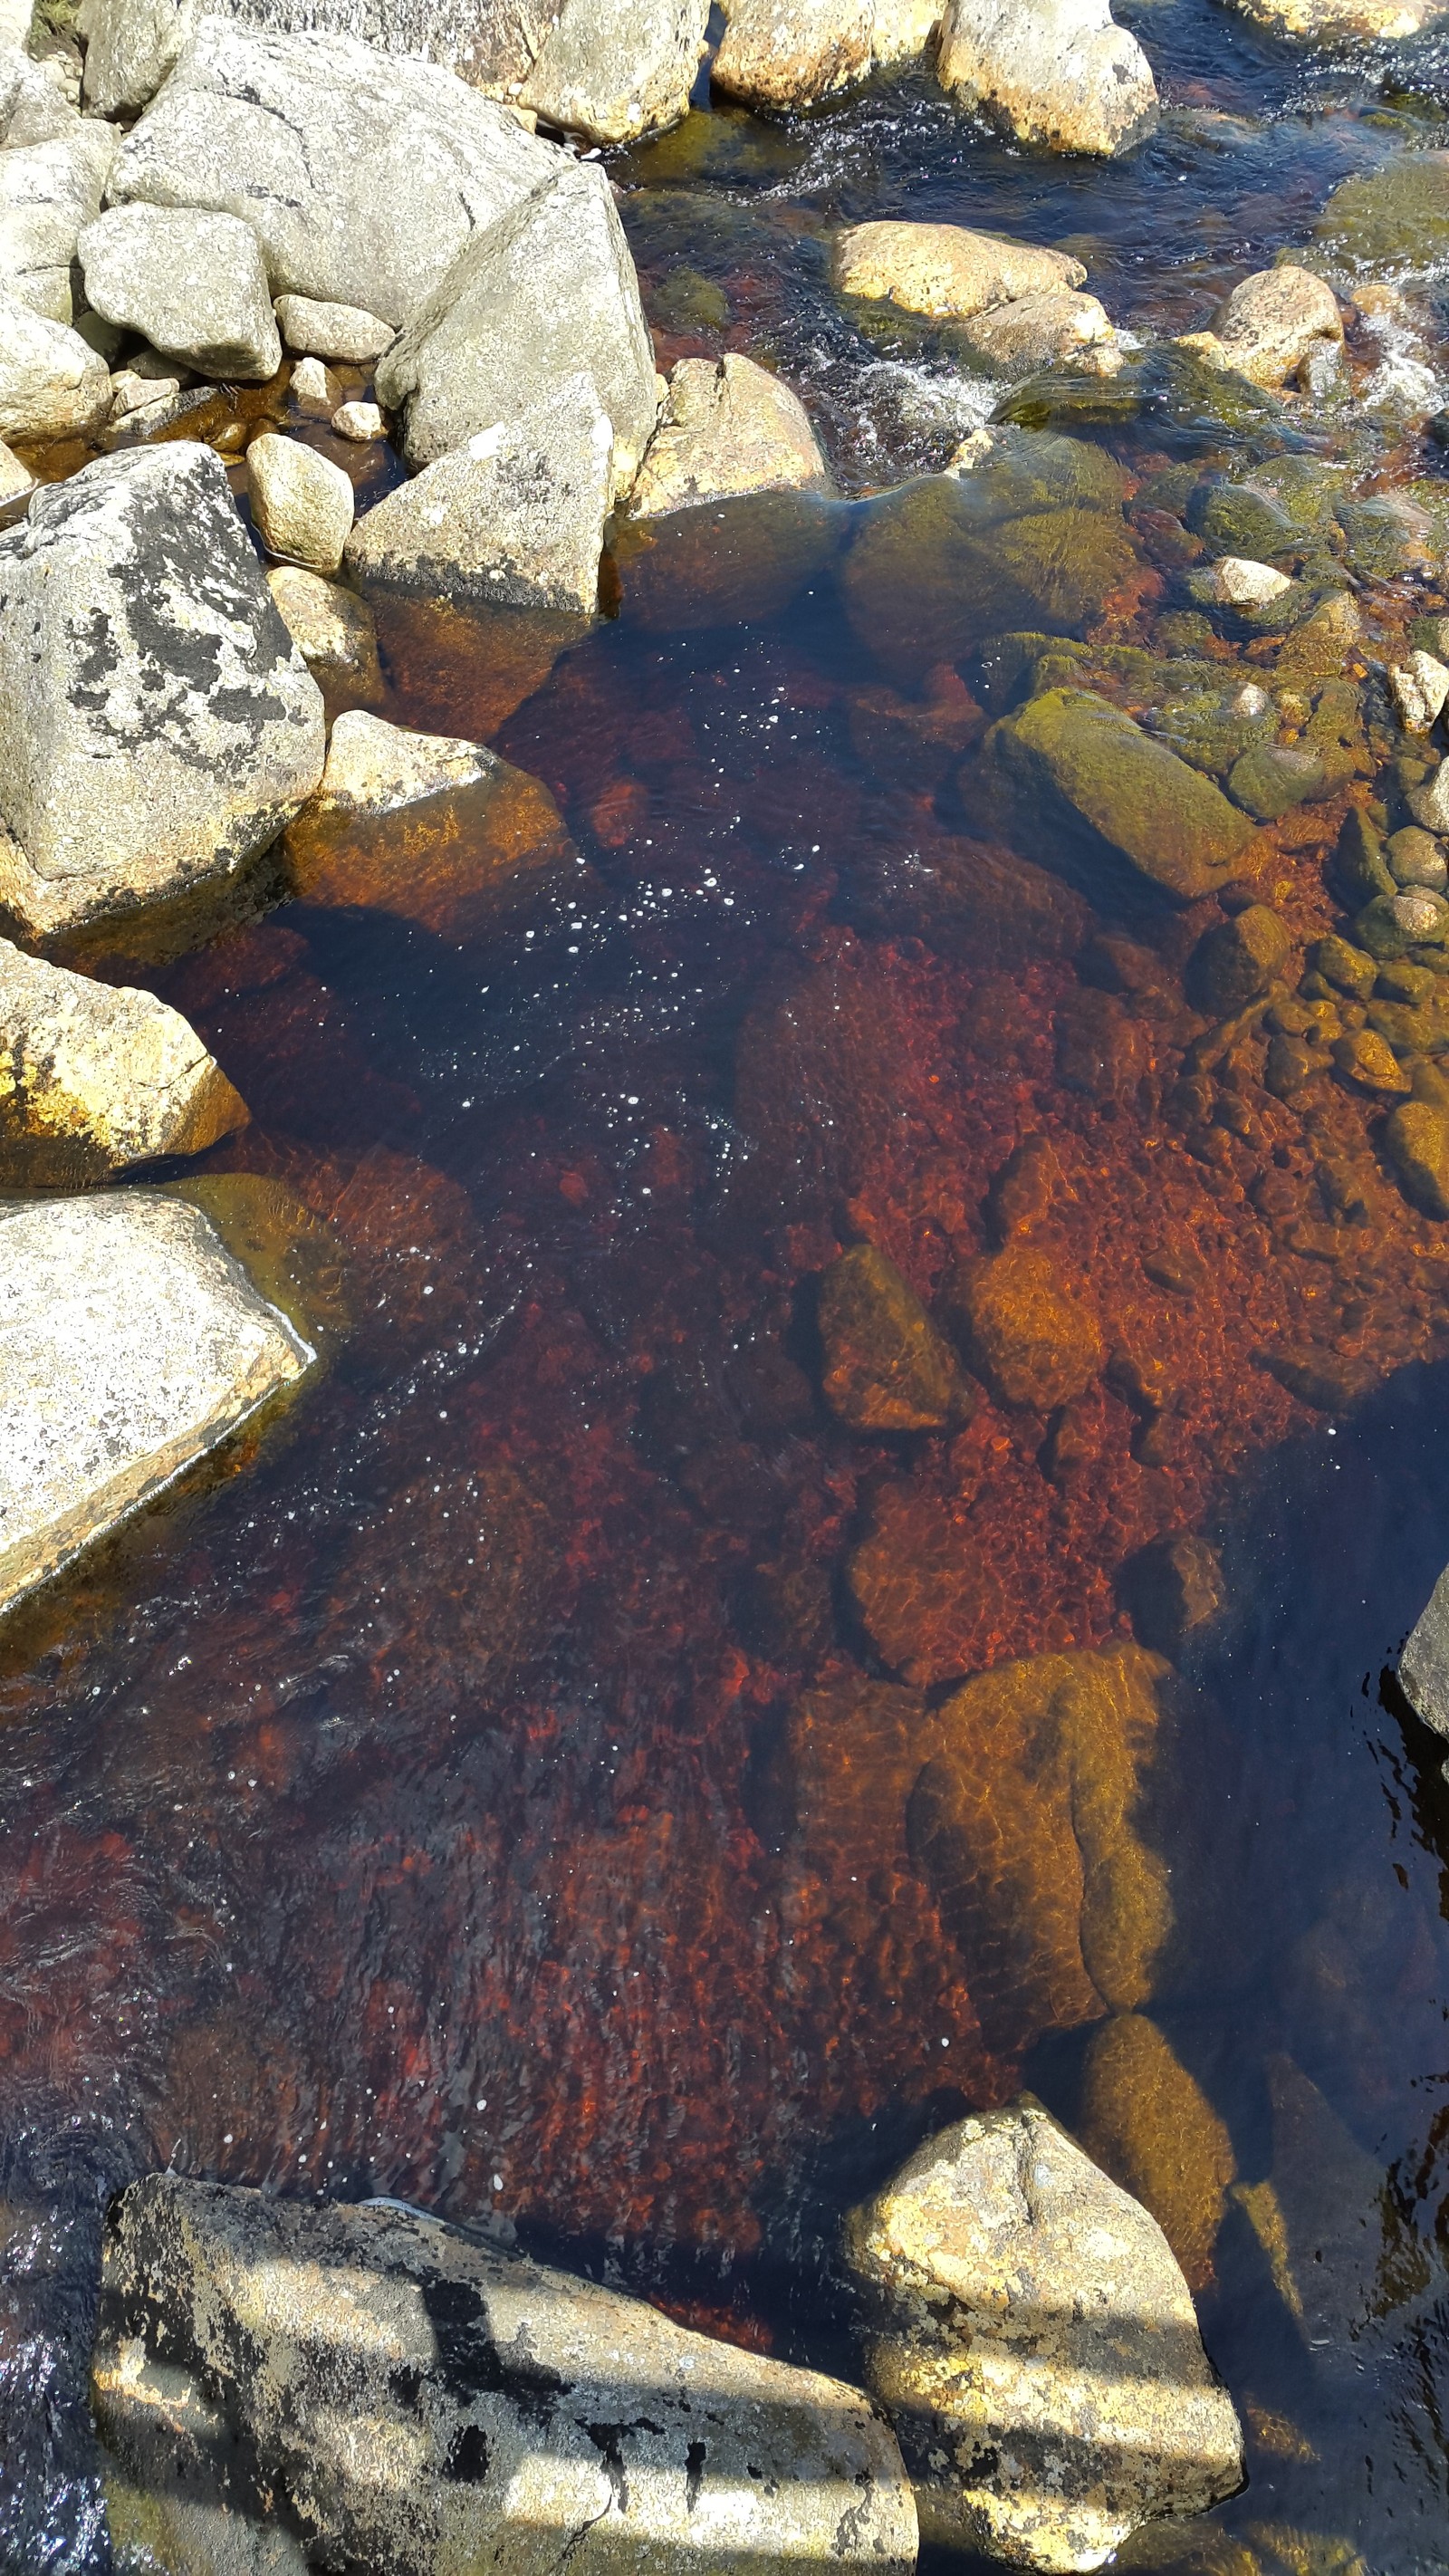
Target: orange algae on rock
{"type": "Point", "coordinates": [886, 1366]}
{"type": "Point", "coordinates": [1147, 2122]}
{"type": "Point", "coordinates": [1025, 1826]}
{"type": "Point", "coordinates": [1033, 1341]}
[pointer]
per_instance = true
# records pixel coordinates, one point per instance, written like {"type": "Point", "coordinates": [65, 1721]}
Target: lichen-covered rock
{"type": "Point", "coordinates": [1033, 2340]}
{"type": "Point", "coordinates": [332, 330]}
{"type": "Point", "coordinates": [1232, 964]}
{"type": "Point", "coordinates": [131, 1345]}
{"type": "Point", "coordinates": [301, 501]}
{"type": "Point", "coordinates": [1273, 321]}
{"type": "Point", "coordinates": [192, 284]}
{"type": "Point", "coordinates": [1147, 2122]}
{"type": "Point", "coordinates": [1322, 22]}
{"type": "Point", "coordinates": [727, 426]}
{"type": "Point", "coordinates": [946, 270]}
{"type": "Point", "coordinates": [1059, 72]}
{"type": "Point", "coordinates": [1030, 1337]}
{"type": "Point", "coordinates": [333, 630]}
{"type": "Point", "coordinates": [52, 384]}
{"type": "Point", "coordinates": [1419, 687]}
{"type": "Point", "coordinates": [363, 175]}
{"type": "Point", "coordinates": [159, 725]}
{"type": "Point", "coordinates": [516, 517]}
{"type": "Point", "coordinates": [545, 295]}
{"type": "Point", "coordinates": [94, 1077]}
{"type": "Point", "coordinates": [130, 48]}
{"type": "Point", "coordinates": [617, 69]}
{"type": "Point", "coordinates": [360, 421]}
{"type": "Point", "coordinates": [1026, 1829]}
{"type": "Point", "coordinates": [1079, 766]}
{"type": "Point", "coordinates": [1272, 778]}
{"type": "Point", "coordinates": [417, 2401]}
{"type": "Point", "coordinates": [48, 193]}
{"type": "Point", "coordinates": [433, 830]}
{"type": "Point", "coordinates": [886, 1366]}
{"type": "Point", "coordinates": [1416, 1139]}
{"type": "Point", "coordinates": [32, 108]}
{"type": "Point", "coordinates": [1032, 537]}
{"type": "Point", "coordinates": [789, 53]}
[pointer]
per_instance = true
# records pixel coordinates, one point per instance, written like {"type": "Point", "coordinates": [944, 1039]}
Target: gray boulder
{"type": "Point", "coordinates": [193, 285]}
{"type": "Point", "coordinates": [363, 176]}
{"type": "Point", "coordinates": [52, 385]}
{"type": "Point", "coordinates": [727, 427]}
{"type": "Point", "coordinates": [1424, 1663]}
{"type": "Point", "coordinates": [158, 727]}
{"type": "Point", "coordinates": [32, 109]}
{"type": "Point", "coordinates": [789, 53]}
{"type": "Point", "coordinates": [1056, 72]}
{"type": "Point", "coordinates": [546, 293]}
{"type": "Point", "coordinates": [615, 69]}
{"type": "Point", "coordinates": [130, 48]}
{"type": "Point", "coordinates": [515, 2417]}
{"type": "Point", "coordinates": [331, 330]}
{"type": "Point", "coordinates": [131, 1344]}
{"type": "Point", "coordinates": [1031, 2336]}
{"type": "Point", "coordinates": [516, 517]}
{"type": "Point", "coordinates": [48, 192]}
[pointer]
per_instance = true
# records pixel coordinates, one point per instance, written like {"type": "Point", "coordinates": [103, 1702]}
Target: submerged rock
{"type": "Point", "coordinates": [193, 285]}
{"type": "Point", "coordinates": [1273, 322]}
{"type": "Point", "coordinates": [726, 427]}
{"type": "Point", "coordinates": [1061, 73]}
{"type": "Point", "coordinates": [729, 562]}
{"type": "Point", "coordinates": [49, 192]}
{"type": "Point", "coordinates": [513, 2415]}
{"type": "Point", "coordinates": [1026, 1828]}
{"type": "Point", "coordinates": [515, 517]}
{"type": "Point", "coordinates": [437, 831]}
{"type": "Point", "coordinates": [1031, 1339]}
{"type": "Point", "coordinates": [1031, 537]}
{"type": "Point", "coordinates": [545, 295]}
{"type": "Point", "coordinates": [131, 1345]}
{"type": "Point", "coordinates": [1348, 2272]}
{"type": "Point", "coordinates": [1330, 21]}
{"type": "Point", "coordinates": [946, 270]}
{"type": "Point", "coordinates": [887, 1368]}
{"type": "Point", "coordinates": [52, 384]}
{"type": "Point", "coordinates": [333, 630]}
{"type": "Point", "coordinates": [363, 175]}
{"type": "Point", "coordinates": [1148, 2123]}
{"type": "Point", "coordinates": [1075, 764]}
{"type": "Point", "coordinates": [208, 731]}
{"type": "Point", "coordinates": [301, 501]}
{"type": "Point", "coordinates": [95, 1077]}
{"type": "Point", "coordinates": [1416, 1139]}
{"type": "Point", "coordinates": [1395, 216]}
{"type": "Point", "coordinates": [1033, 2341]}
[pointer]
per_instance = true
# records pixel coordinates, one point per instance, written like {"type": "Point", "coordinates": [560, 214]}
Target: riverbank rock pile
{"type": "Point", "coordinates": [411, 2401]}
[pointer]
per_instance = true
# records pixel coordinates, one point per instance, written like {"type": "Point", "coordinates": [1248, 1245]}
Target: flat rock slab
{"type": "Point", "coordinates": [160, 726]}
{"type": "Point", "coordinates": [131, 1344]}
{"type": "Point", "coordinates": [363, 175]}
{"type": "Point", "coordinates": [1033, 2339]}
{"type": "Point", "coordinates": [94, 1077]}
{"type": "Point", "coordinates": [510, 2416]}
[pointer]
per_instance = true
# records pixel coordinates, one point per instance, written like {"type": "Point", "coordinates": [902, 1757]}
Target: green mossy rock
{"type": "Point", "coordinates": [1385, 536]}
{"type": "Point", "coordinates": [1360, 870]}
{"type": "Point", "coordinates": [1233, 519]}
{"type": "Point", "coordinates": [1393, 217]}
{"type": "Point", "coordinates": [1416, 1139]}
{"type": "Point", "coordinates": [1034, 537]}
{"type": "Point", "coordinates": [726, 563]}
{"type": "Point", "coordinates": [1189, 404]}
{"type": "Point", "coordinates": [1071, 760]}
{"type": "Point", "coordinates": [1273, 779]}
{"type": "Point", "coordinates": [1395, 925]}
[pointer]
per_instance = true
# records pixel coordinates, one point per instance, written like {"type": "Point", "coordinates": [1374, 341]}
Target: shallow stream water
{"type": "Point", "coordinates": [497, 1793]}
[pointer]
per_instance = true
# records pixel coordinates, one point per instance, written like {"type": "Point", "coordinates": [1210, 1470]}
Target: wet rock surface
{"type": "Point", "coordinates": [1029, 2331]}
{"type": "Point", "coordinates": [511, 2408]}
{"type": "Point", "coordinates": [94, 1077]}
{"type": "Point", "coordinates": [724, 430]}
{"type": "Point", "coordinates": [1066, 76]}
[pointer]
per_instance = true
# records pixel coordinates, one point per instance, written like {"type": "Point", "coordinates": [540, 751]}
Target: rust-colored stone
{"type": "Point", "coordinates": [1031, 1339]}
{"type": "Point", "coordinates": [1147, 2122]}
{"type": "Point", "coordinates": [886, 1366]}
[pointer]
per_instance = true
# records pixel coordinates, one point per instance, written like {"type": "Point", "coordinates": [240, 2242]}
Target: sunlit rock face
{"type": "Point", "coordinates": [1030, 2333]}
{"type": "Point", "coordinates": [416, 2401]}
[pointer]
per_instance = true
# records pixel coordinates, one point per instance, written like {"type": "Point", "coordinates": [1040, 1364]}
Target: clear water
{"type": "Point", "coordinates": [429, 1808]}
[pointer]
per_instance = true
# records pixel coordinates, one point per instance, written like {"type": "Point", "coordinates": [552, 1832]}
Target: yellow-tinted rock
{"type": "Point", "coordinates": [1417, 1142]}
{"type": "Point", "coordinates": [441, 832]}
{"type": "Point", "coordinates": [1368, 1059]}
{"type": "Point", "coordinates": [1032, 1341]}
{"type": "Point", "coordinates": [1034, 2344]}
{"type": "Point", "coordinates": [1151, 2127]}
{"type": "Point", "coordinates": [946, 269]}
{"type": "Point", "coordinates": [293, 1259]}
{"type": "Point", "coordinates": [728, 426]}
{"type": "Point", "coordinates": [1025, 1827]}
{"type": "Point", "coordinates": [886, 1366]}
{"type": "Point", "coordinates": [95, 1077]}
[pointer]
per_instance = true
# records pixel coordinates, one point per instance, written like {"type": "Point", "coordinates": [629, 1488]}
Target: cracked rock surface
{"type": "Point", "coordinates": [159, 725]}
{"type": "Point", "coordinates": [416, 2400]}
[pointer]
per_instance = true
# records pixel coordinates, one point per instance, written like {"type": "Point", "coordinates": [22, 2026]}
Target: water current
{"type": "Point", "coordinates": [531, 1781]}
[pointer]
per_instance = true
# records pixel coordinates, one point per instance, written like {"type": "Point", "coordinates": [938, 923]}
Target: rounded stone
{"type": "Point", "coordinates": [301, 502]}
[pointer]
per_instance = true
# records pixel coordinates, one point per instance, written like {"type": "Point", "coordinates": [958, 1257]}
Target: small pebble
{"type": "Point", "coordinates": [1239, 583]}
{"type": "Point", "coordinates": [313, 389]}
{"type": "Point", "coordinates": [359, 420]}
{"type": "Point", "coordinates": [1419, 688]}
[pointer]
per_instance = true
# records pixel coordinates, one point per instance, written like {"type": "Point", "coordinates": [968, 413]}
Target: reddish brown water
{"type": "Point", "coordinates": [495, 1795]}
